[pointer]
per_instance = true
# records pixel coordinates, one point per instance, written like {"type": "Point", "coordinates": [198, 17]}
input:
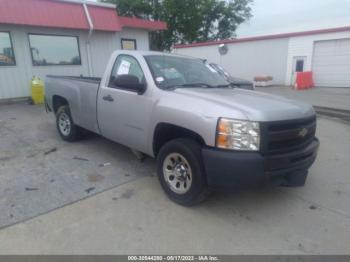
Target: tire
{"type": "Point", "coordinates": [65, 125]}
{"type": "Point", "coordinates": [181, 172]}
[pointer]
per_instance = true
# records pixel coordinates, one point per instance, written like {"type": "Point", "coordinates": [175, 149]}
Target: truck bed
{"type": "Point", "coordinates": [80, 92]}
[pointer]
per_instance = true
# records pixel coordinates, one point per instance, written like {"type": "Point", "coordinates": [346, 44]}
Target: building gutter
{"type": "Point", "coordinates": [88, 42]}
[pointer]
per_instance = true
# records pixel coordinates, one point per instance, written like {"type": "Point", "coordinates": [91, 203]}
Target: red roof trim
{"type": "Point", "coordinates": [44, 13]}
{"type": "Point", "coordinates": [69, 15]}
{"type": "Point", "coordinates": [107, 19]}
{"type": "Point", "coordinates": [104, 19]}
{"type": "Point", "coordinates": [132, 22]}
{"type": "Point", "coordinates": [266, 37]}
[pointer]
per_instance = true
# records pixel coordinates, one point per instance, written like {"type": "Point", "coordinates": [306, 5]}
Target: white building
{"type": "Point", "coordinates": [324, 52]}
{"type": "Point", "coordinates": [62, 37]}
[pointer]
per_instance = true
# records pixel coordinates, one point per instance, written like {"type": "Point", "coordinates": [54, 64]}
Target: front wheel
{"type": "Point", "coordinates": [181, 173]}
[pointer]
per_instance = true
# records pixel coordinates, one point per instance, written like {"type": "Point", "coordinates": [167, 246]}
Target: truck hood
{"type": "Point", "coordinates": [255, 106]}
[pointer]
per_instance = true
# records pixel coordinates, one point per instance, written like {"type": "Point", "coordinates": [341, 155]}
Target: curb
{"type": "Point", "coordinates": [341, 114]}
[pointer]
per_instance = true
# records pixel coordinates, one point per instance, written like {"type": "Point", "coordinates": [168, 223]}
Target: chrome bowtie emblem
{"type": "Point", "coordinates": [303, 132]}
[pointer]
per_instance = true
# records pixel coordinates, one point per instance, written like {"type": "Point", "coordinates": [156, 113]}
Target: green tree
{"type": "Point", "coordinates": [188, 21]}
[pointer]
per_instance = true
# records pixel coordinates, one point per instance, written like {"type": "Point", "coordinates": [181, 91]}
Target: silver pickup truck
{"type": "Point", "coordinates": [205, 134]}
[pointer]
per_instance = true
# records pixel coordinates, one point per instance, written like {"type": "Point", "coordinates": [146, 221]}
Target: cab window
{"type": "Point", "coordinates": [126, 65]}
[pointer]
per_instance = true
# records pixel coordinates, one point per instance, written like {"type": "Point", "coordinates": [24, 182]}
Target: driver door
{"type": "Point", "coordinates": [123, 115]}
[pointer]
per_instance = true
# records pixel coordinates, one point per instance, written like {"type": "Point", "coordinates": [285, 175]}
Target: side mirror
{"type": "Point", "coordinates": [130, 82]}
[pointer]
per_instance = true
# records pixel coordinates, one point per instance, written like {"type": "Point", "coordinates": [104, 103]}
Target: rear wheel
{"type": "Point", "coordinates": [181, 172]}
{"type": "Point", "coordinates": [65, 125]}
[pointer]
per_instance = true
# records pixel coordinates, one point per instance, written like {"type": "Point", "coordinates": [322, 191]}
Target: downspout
{"type": "Point", "coordinates": [88, 45]}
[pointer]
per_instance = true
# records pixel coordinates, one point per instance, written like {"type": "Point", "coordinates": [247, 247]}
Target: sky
{"type": "Point", "coordinates": [283, 16]}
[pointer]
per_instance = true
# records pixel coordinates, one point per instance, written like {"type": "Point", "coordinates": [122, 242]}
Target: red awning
{"type": "Point", "coordinates": [64, 14]}
{"type": "Point", "coordinates": [44, 13]}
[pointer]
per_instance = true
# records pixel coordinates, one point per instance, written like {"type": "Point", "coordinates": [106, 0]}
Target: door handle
{"type": "Point", "coordinates": [108, 98]}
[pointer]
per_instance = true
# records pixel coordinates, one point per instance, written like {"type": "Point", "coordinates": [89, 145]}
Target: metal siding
{"type": "Point", "coordinates": [203, 52]}
{"type": "Point", "coordinates": [265, 37]}
{"type": "Point", "coordinates": [14, 80]}
{"type": "Point", "coordinates": [102, 46]}
{"type": "Point", "coordinates": [248, 59]}
{"type": "Point", "coordinates": [331, 63]}
{"type": "Point", "coordinates": [304, 46]}
{"type": "Point", "coordinates": [141, 36]}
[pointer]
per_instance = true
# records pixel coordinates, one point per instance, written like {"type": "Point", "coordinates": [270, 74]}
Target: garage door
{"type": "Point", "coordinates": [331, 63]}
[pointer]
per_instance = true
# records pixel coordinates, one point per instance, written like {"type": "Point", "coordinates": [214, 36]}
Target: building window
{"type": "Point", "coordinates": [7, 56]}
{"type": "Point", "coordinates": [128, 44]}
{"type": "Point", "coordinates": [299, 66]}
{"type": "Point", "coordinates": [49, 50]}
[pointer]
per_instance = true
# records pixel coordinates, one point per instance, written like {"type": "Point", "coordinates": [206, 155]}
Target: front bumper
{"type": "Point", "coordinates": [242, 170]}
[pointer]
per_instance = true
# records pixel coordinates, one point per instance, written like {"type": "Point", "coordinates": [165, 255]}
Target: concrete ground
{"type": "Point", "coordinates": [136, 217]}
{"type": "Point", "coordinates": [331, 97]}
{"type": "Point", "coordinates": [39, 172]}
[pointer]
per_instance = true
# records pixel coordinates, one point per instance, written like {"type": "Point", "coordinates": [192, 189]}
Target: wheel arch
{"type": "Point", "coordinates": [58, 101]}
{"type": "Point", "coordinates": [165, 132]}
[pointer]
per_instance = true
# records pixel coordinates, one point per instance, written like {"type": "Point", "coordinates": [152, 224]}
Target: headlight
{"type": "Point", "coordinates": [238, 135]}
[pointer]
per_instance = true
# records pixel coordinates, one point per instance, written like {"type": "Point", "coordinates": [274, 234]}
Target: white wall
{"type": "Point", "coordinates": [15, 80]}
{"type": "Point", "coordinates": [248, 59]}
{"type": "Point", "coordinates": [204, 52]}
{"type": "Point", "coordinates": [272, 57]}
{"type": "Point", "coordinates": [140, 35]}
{"type": "Point", "coordinates": [102, 46]}
{"type": "Point", "coordinates": [104, 43]}
{"type": "Point", "coordinates": [304, 46]}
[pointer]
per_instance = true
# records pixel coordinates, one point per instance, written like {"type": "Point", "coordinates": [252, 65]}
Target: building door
{"type": "Point", "coordinates": [298, 66]}
{"type": "Point", "coordinates": [331, 63]}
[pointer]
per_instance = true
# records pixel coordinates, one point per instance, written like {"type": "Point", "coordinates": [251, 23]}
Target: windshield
{"type": "Point", "coordinates": [172, 71]}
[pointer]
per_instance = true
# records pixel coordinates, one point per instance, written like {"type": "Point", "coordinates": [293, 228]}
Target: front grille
{"type": "Point", "coordinates": [286, 136]}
